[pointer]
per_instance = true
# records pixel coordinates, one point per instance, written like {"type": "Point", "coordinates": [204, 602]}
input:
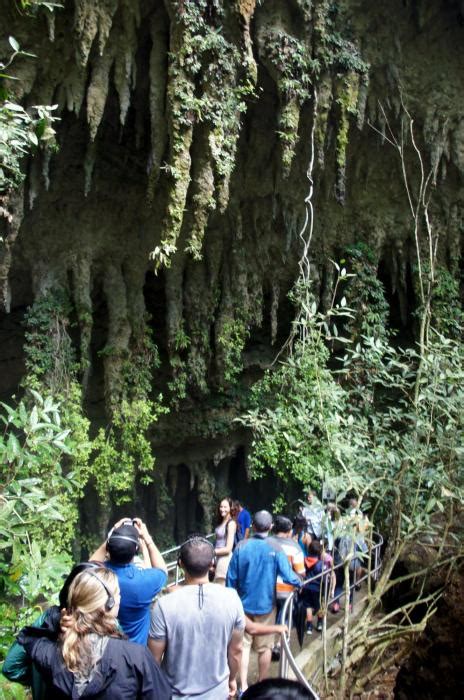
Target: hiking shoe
{"type": "Point", "coordinates": [319, 625]}
{"type": "Point", "coordinates": [309, 628]}
{"type": "Point", "coordinates": [275, 653]}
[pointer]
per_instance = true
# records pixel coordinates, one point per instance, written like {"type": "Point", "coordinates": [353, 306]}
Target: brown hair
{"type": "Point", "coordinates": [230, 502]}
{"type": "Point", "coordinates": [87, 613]}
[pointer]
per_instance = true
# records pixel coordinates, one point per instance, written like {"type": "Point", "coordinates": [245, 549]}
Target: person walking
{"type": "Point", "coordinates": [225, 538]}
{"type": "Point", "coordinates": [313, 513]}
{"type": "Point", "coordinates": [196, 632]}
{"type": "Point", "coordinates": [243, 518]}
{"type": "Point", "coordinates": [138, 585]}
{"type": "Point", "coordinates": [91, 659]}
{"type": "Point", "coordinates": [253, 572]}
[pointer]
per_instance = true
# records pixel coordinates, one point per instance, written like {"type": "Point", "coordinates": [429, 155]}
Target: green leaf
{"type": "Point", "coordinates": [13, 43]}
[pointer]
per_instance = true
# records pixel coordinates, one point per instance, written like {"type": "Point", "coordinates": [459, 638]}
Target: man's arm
{"type": "Point", "coordinates": [258, 628]}
{"type": "Point", "coordinates": [156, 558]}
{"type": "Point", "coordinates": [232, 577]}
{"type": "Point", "coordinates": [100, 553]}
{"type": "Point", "coordinates": [157, 648]}
{"type": "Point", "coordinates": [247, 527]}
{"type": "Point", "coordinates": [234, 656]}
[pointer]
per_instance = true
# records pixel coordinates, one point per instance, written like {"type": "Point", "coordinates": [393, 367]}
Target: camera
{"type": "Point", "coordinates": [129, 521]}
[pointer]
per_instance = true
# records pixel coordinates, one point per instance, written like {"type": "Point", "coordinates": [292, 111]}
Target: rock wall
{"type": "Point", "coordinates": [176, 196]}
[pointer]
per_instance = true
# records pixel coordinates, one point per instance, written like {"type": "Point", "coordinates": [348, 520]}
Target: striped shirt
{"type": "Point", "coordinates": [295, 557]}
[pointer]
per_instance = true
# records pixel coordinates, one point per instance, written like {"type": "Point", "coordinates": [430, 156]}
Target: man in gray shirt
{"type": "Point", "coordinates": [313, 512]}
{"type": "Point", "coordinates": [196, 632]}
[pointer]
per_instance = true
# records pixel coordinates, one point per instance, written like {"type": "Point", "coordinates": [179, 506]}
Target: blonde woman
{"type": "Point", "coordinates": [92, 658]}
{"type": "Point", "coordinates": [225, 537]}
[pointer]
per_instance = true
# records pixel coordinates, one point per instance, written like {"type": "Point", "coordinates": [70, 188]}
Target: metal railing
{"type": "Point", "coordinates": [374, 563]}
{"type": "Point", "coordinates": [175, 575]}
{"type": "Point", "coordinates": [287, 660]}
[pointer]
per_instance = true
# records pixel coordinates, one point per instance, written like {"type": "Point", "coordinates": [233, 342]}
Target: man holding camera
{"type": "Point", "coordinates": [138, 585]}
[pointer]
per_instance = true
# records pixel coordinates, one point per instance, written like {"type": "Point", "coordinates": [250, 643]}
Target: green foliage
{"type": "Point", "coordinates": [32, 6]}
{"type": "Point", "coordinates": [230, 344]}
{"type": "Point", "coordinates": [209, 81]}
{"type": "Point", "coordinates": [122, 451]}
{"type": "Point", "coordinates": [447, 313]}
{"type": "Point", "coordinates": [298, 64]}
{"type": "Point", "coordinates": [367, 425]}
{"type": "Point", "coordinates": [21, 131]}
{"type": "Point", "coordinates": [33, 516]}
{"type": "Point", "coordinates": [366, 295]}
{"type": "Point", "coordinates": [295, 418]}
{"type": "Point", "coordinates": [53, 369]}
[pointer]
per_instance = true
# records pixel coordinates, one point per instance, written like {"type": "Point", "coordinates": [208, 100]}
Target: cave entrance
{"type": "Point", "coordinates": [401, 299]}
{"type": "Point", "coordinates": [188, 512]}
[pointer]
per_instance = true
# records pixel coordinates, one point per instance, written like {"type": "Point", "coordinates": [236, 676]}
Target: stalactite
{"type": "Point", "coordinates": [457, 145]}
{"type": "Point", "coordinates": [89, 165]}
{"type": "Point", "coordinates": [11, 213]}
{"type": "Point", "coordinates": [92, 18]}
{"type": "Point", "coordinates": [174, 300]}
{"type": "Point", "coordinates": [72, 90]}
{"type": "Point", "coordinates": [157, 72]}
{"type": "Point", "coordinates": [202, 197]}
{"type": "Point", "coordinates": [34, 182]}
{"type": "Point", "coordinates": [97, 92]}
{"type": "Point", "coordinates": [81, 291]}
{"type": "Point", "coordinates": [46, 157]}
{"type": "Point", "coordinates": [325, 101]}
{"type": "Point", "coordinates": [119, 331]}
{"type": "Point", "coordinates": [274, 312]}
{"type": "Point", "coordinates": [124, 66]}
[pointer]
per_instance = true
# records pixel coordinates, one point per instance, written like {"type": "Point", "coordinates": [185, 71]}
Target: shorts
{"type": "Point", "coordinates": [261, 642]}
{"type": "Point", "coordinates": [221, 567]}
{"type": "Point", "coordinates": [311, 599]}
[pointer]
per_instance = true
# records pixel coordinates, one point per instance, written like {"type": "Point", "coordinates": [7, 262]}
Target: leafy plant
{"type": "Point", "coordinates": [32, 447]}
{"type": "Point", "coordinates": [20, 130]}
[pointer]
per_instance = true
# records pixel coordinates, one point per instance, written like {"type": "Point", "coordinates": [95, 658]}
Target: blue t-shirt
{"type": "Point", "coordinates": [253, 572]}
{"type": "Point", "coordinates": [243, 523]}
{"type": "Point", "coordinates": [138, 588]}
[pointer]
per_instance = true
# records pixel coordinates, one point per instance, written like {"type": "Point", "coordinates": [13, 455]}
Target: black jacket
{"type": "Point", "coordinates": [127, 671]}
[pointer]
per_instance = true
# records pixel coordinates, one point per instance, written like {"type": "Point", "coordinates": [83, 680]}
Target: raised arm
{"type": "Point", "coordinates": [100, 553]}
{"type": "Point", "coordinates": [155, 556]}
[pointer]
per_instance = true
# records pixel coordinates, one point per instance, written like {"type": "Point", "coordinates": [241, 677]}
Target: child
{"type": "Point", "coordinates": [312, 591]}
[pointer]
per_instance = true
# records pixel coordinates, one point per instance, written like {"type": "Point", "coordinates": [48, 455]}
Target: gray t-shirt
{"type": "Point", "coordinates": [197, 624]}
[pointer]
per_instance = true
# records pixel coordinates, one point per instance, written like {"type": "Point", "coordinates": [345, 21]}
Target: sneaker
{"type": "Point", "coordinates": [309, 628]}
{"type": "Point", "coordinates": [276, 653]}
{"type": "Point", "coordinates": [319, 625]}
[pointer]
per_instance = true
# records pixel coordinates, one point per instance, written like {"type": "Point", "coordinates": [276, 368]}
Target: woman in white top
{"type": "Point", "coordinates": [225, 537]}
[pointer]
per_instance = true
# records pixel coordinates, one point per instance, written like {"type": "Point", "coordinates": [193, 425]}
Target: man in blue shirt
{"type": "Point", "coordinates": [243, 521]}
{"type": "Point", "coordinates": [138, 584]}
{"type": "Point", "coordinates": [253, 572]}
